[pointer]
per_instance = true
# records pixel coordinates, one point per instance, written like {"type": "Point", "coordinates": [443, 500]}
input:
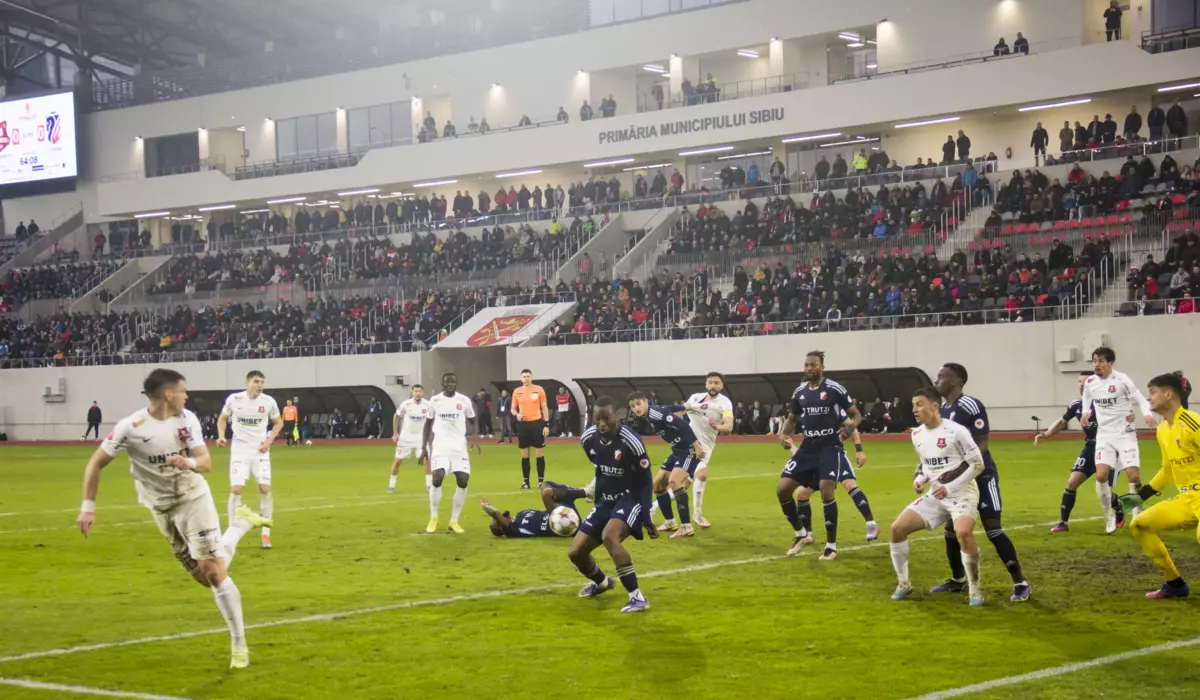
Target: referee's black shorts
{"type": "Point", "coordinates": [529, 434]}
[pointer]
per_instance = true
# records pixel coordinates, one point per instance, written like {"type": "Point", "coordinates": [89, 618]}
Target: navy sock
{"type": "Point", "coordinates": [595, 574]}
{"type": "Point", "coordinates": [664, 504]}
{"type": "Point", "coordinates": [791, 513]}
{"type": "Point", "coordinates": [685, 510]}
{"type": "Point", "coordinates": [804, 509]}
{"type": "Point", "coordinates": [541, 467]}
{"type": "Point", "coordinates": [860, 500]}
{"type": "Point", "coordinates": [1068, 505]}
{"type": "Point", "coordinates": [831, 513]}
{"type": "Point", "coordinates": [1007, 553]}
{"type": "Point", "coordinates": [525, 469]}
{"type": "Point", "coordinates": [954, 556]}
{"type": "Point", "coordinates": [628, 577]}
{"type": "Point", "coordinates": [567, 495]}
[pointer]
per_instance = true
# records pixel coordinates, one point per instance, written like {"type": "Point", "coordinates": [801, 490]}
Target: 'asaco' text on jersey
{"type": "Point", "coordinates": [970, 413]}
{"type": "Point", "coordinates": [622, 466]}
{"type": "Point", "coordinates": [819, 413]}
{"type": "Point", "coordinates": [1075, 412]}
{"type": "Point", "coordinates": [674, 431]}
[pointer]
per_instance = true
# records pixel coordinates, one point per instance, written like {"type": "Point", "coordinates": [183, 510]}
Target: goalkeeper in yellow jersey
{"type": "Point", "coordinates": [1179, 442]}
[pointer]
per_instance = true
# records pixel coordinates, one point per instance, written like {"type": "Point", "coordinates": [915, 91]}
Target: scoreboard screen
{"type": "Point", "coordinates": [38, 139]}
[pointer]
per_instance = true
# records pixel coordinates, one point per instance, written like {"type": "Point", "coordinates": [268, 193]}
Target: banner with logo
{"type": "Point", "coordinates": [504, 325]}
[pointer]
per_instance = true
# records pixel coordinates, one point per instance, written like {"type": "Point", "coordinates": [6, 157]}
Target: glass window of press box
{"type": "Point", "coordinates": [300, 138]}
{"type": "Point", "coordinates": [379, 126]}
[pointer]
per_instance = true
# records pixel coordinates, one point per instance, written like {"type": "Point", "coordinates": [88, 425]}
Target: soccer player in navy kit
{"type": "Point", "coordinates": [824, 415]}
{"type": "Point", "coordinates": [971, 414]}
{"type": "Point", "coordinates": [677, 470]}
{"type": "Point", "coordinates": [1085, 465]}
{"type": "Point", "coordinates": [622, 504]}
{"type": "Point", "coordinates": [534, 523]}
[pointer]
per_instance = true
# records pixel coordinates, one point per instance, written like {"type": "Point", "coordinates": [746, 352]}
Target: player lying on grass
{"type": "Point", "coordinates": [1179, 442]}
{"type": "Point", "coordinates": [535, 523]}
{"type": "Point", "coordinates": [622, 504]}
{"type": "Point", "coordinates": [675, 475]}
{"type": "Point", "coordinates": [950, 460]}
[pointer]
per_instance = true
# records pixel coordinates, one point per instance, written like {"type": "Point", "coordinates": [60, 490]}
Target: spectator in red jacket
{"type": "Point", "coordinates": [1187, 305]}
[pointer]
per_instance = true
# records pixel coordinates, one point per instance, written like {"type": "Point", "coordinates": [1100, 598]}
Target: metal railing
{"type": "Point", "coordinates": [214, 163]}
{"type": "Point", "coordinates": [724, 92]}
{"type": "Point", "coordinates": [1124, 149]}
{"type": "Point", "coordinates": [308, 164]}
{"type": "Point", "coordinates": [1173, 39]}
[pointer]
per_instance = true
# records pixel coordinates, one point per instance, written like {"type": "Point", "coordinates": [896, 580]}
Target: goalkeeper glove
{"type": "Point", "coordinates": [1130, 501]}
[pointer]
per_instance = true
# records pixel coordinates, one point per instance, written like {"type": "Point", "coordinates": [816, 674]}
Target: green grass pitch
{"type": "Point", "coordinates": [472, 616]}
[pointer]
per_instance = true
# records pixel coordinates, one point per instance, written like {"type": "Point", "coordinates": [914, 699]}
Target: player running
{"type": "Point", "coordinates": [970, 413]}
{"type": "Point", "coordinates": [710, 413]}
{"type": "Point", "coordinates": [446, 441]}
{"type": "Point", "coordinates": [534, 523]}
{"type": "Point", "coordinates": [408, 433]}
{"type": "Point", "coordinates": [533, 427]}
{"type": "Point", "coordinates": [951, 461]}
{"type": "Point", "coordinates": [674, 477]}
{"type": "Point", "coordinates": [1110, 395]}
{"type": "Point", "coordinates": [823, 414]}
{"type": "Point", "coordinates": [167, 455]}
{"type": "Point", "coordinates": [622, 504]}
{"type": "Point", "coordinates": [1085, 464]}
{"type": "Point", "coordinates": [250, 455]}
{"type": "Point", "coordinates": [1179, 441]}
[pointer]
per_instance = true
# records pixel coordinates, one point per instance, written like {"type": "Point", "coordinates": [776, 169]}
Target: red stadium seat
{"type": "Point", "coordinates": [1127, 218]}
{"type": "Point", "coordinates": [1059, 225]}
{"type": "Point", "coordinates": [952, 222]}
{"type": "Point", "coordinates": [1178, 199]}
{"type": "Point", "coordinates": [1112, 219]}
{"type": "Point", "coordinates": [972, 246]}
{"type": "Point", "coordinates": [1006, 230]}
{"type": "Point", "coordinates": [929, 249]}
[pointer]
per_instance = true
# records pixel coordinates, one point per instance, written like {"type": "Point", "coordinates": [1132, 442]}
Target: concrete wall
{"type": "Point", "coordinates": [1014, 369]}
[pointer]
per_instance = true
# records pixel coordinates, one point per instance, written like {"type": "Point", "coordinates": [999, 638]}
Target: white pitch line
{"type": "Point", "coordinates": [1059, 670]}
{"type": "Point", "coordinates": [83, 690]}
{"type": "Point", "coordinates": [448, 600]}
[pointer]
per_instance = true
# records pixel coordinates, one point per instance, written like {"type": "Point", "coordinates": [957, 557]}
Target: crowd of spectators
{"type": "Point", "coordinates": [53, 281]}
{"type": "Point", "coordinates": [1105, 138]}
{"type": "Point", "coordinates": [1170, 285]}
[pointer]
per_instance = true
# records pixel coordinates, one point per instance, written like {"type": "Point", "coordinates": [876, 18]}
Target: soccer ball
{"type": "Point", "coordinates": [308, 443]}
{"type": "Point", "coordinates": [564, 521]}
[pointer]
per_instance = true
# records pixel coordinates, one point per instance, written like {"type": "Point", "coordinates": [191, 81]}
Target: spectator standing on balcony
{"type": "Point", "coordinates": [778, 170]}
{"type": "Point", "coordinates": [1001, 48]}
{"type": "Point", "coordinates": [1109, 135]}
{"type": "Point", "coordinates": [656, 93]}
{"type": "Point", "coordinates": [821, 171]}
{"type": "Point", "coordinates": [1081, 137]}
{"type": "Point", "coordinates": [1133, 124]}
{"type": "Point", "coordinates": [1112, 21]}
{"type": "Point", "coordinates": [22, 232]}
{"type": "Point", "coordinates": [1066, 138]}
{"type": "Point", "coordinates": [948, 151]}
{"type": "Point", "coordinates": [1155, 119]}
{"type": "Point", "coordinates": [676, 182]}
{"type": "Point", "coordinates": [484, 127]}
{"type": "Point", "coordinates": [34, 228]}
{"type": "Point", "coordinates": [860, 162]}
{"type": "Point", "coordinates": [449, 131]}
{"type": "Point", "coordinates": [1038, 142]}
{"type": "Point", "coordinates": [839, 167]}
{"type": "Point", "coordinates": [608, 107]}
{"type": "Point", "coordinates": [964, 146]}
{"type": "Point", "coordinates": [1177, 126]}
{"type": "Point", "coordinates": [562, 115]}
{"type": "Point", "coordinates": [99, 242]}
{"type": "Point", "coordinates": [1021, 45]}
{"type": "Point", "coordinates": [430, 125]}
{"type": "Point", "coordinates": [1095, 130]}
{"type": "Point", "coordinates": [585, 112]}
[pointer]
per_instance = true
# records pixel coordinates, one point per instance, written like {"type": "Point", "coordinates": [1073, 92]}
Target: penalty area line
{"type": "Point", "coordinates": [449, 600]}
{"type": "Point", "coordinates": [84, 690]}
{"type": "Point", "coordinates": [1062, 670]}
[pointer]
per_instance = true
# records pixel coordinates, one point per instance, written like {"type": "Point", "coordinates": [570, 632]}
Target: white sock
{"type": "Point", "coordinates": [460, 500]}
{"type": "Point", "coordinates": [266, 505]}
{"type": "Point", "coordinates": [428, 481]}
{"type": "Point", "coordinates": [235, 501]}
{"type": "Point", "coordinates": [698, 499]}
{"type": "Point", "coordinates": [435, 497]}
{"type": "Point", "coordinates": [971, 564]}
{"type": "Point", "coordinates": [1104, 491]}
{"type": "Point", "coordinates": [1136, 511]}
{"type": "Point", "coordinates": [392, 481]}
{"type": "Point", "coordinates": [229, 541]}
{"type": "Point", "coordinates": [900, 562]}
{"type": "Point", "coordinates": [229, 602]}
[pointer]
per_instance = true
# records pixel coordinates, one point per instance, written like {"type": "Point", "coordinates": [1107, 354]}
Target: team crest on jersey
{"type": "Point", "coordinates": [645, 463]}
{"type": "Point", "coordinates": [941, 443]}
{"type": "Point", "coordinates": [262, 409]}
{"type": "Point", "coordinates": [617, 455]}
{"type": "Point", "coordinates": [184, 435]}
{"type": "Point", "coordinates": [823, 396]}
{"type": "Point", "coordinates": [458, 406]}
{"type": "Point", "coordinates": [1112, 389]}
{"type": "Point", "coordinates": [979, 424]}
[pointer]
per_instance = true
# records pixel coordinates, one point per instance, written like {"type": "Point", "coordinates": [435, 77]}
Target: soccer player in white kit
{"type": "Point", "coordinates": [1110, 395]}
{"type": "Point", "coordinates": [166, 457]}
{"type": "Point", "coordinates": [710, 413]}
{"type": "Point", "coordinates": [408, 432]}
{"type": "Point", "coordinates": [256, 424]}
{"type": "Point", "coordinates": [446, 440]}
{"type": "Point", "coordinates": [950, 460]}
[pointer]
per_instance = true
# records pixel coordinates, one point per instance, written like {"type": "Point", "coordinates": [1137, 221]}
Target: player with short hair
{"type": "Point", "coordinates": [251, 411]}
{"type": "Point", "coordinates": [823, 414]}
{"type": "Point", "coordinates": [408, 433]}
{"type": "Point", "coordinates": [970, 413]}
{"type": "Point", "coordinates": [1110, 396]}
{"type": "Point", "coordinates": [672, 479]}
{"type": "Point", "coordinates": [167, 456]}
{"type": "Point", "coordinates": [1085, 464]}
{"type": "Point", "coordinates": [710, 413]}
{"type": "Point", "coordinates": [951, 461]}
{"type": "Point", "coordinates": [533, 427]}
{"type": "Point", "coordinates": [446, 440]}
{"type": "Point", "coordinates": [534, 523]}
{"type": "Point", "coordinates": [622, 497]}
{"type": "Point", "coordinates": [1179, 442]}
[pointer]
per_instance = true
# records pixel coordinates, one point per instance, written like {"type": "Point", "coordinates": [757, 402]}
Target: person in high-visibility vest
{"type": "Point", "coordinates": [289, 422]}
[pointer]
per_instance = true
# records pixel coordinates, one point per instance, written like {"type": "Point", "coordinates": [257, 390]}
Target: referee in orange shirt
{"type": "Point", "coordinates": [529, 408]}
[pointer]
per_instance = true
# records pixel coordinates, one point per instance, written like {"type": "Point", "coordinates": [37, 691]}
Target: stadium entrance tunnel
{"type": "Point", "coordinates": [868, 387]}
{"type": "Point", "coordinates": [316, 409]}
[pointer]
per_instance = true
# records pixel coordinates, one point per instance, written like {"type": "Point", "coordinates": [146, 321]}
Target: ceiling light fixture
{"type": "Point", "coordinates": [519, 173]}
{"type": "Point", "coordinates": [434, 183]}
{"type": "Point", "coordinates": [286, 200]}
{"type": "Point", "coordinates": [604, 163]}
{"type": "Point", "coordinates": [813, 137]}
{"type": "Point", "coordinates": [847, 143]}
{"type": "Point", "coordinates": [872, 66]}
{"type": "Point", "coordinates": [855, 45]}
{"type": "Point", "coordinates": [151, 214]}
{"type": "Point", "coordinates": [1068, 103]}
{"type": "Point", "coordinates": [217, 207]}
{"type": "Point", "coordinates": [747, 53]}
{"type": "Point", "coordinates": [1172, 88]}
{"type": "Point", "coordinates": [940, 120]}
{"type": "Point", "coordinates": [351, 193]}
{"type": "Point", "coordinates": [655, 69]}
{"type": "Point", "coordinates": [702, 151]}
{"type": "Point", "coordinates": [254, 211]}
{"type": "Point", "coordinates": [646, 167]}
{"type": "Point", "coordinates": [746, 155]}
{"type": "Point", "coordinates": [849, 37]}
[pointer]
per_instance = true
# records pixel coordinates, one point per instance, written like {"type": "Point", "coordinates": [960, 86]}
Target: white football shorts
{"type": "Point", "coordinates": [1119, 451]}
{"type": "Point", "coordinates": [406, 449]}
{"type": "Point", "coordinates": [192, 527]}
{"type": "Point", "coordinates": [937, 513]}
{"type": "Point", "coordinates": [451, 464]}
{"type": "Point", "coordinates": [248, 462]}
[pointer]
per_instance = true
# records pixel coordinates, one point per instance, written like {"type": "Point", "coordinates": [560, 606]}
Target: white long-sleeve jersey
{"type": "Point", "coordinates": [1112, 398]}
{"type": "Point", "coordinates": [943, 449]}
